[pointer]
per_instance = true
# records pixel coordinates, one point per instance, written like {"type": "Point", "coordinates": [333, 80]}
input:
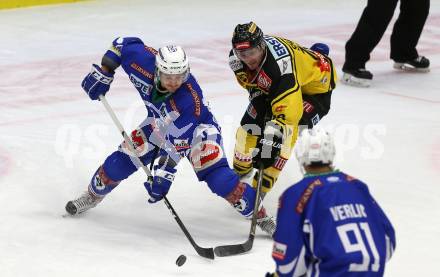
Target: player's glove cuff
{"type": "Point", "coordinates": [97, 82]}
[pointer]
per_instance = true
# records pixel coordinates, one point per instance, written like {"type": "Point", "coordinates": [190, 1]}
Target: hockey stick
{"type": "Point", "coordinates": [234, 249]}
{"type": "Point", "coordinates": [204, 252]}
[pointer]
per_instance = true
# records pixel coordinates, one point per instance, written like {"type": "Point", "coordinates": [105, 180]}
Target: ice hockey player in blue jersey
{"type": "Point", "coordinates": [179, 124]}
{"type": "Point", "coordinates": [328, 224]}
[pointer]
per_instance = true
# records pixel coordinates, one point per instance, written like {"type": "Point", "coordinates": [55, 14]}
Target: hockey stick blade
{"type": "Point", "coordinates": [207, 253]}
{"type": "Point", "coordinates": [234, 249]}
{"type": "Point", "coordinates": [204, 252]}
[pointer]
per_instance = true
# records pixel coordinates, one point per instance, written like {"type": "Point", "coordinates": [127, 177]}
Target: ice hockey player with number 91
{"type": "Point", "coordinates": [328, 224]}
{"type": "Point", "coordinates": [179, 124]}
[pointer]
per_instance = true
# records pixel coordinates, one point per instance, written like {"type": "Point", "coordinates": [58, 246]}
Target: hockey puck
{"type": "Point", "coordinates": [181, 260]}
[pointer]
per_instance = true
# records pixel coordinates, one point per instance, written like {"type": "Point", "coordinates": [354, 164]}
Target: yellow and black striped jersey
{"type": "Point", "coordinates": [287, 71]}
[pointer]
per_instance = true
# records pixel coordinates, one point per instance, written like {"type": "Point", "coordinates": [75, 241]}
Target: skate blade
{"type": "Point", "coordinates": [410, 68]}
{"type": "Point", "coordinates": [355, 82]}
{"type": "Point", "coordinates": [67, 215]}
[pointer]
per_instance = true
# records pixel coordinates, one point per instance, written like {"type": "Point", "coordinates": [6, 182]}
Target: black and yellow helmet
{"type": "Point", "coordinates": [246, 36]}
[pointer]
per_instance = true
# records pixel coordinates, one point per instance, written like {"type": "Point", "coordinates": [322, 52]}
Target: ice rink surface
{"type": "Point", "coordinates": [52, 138]}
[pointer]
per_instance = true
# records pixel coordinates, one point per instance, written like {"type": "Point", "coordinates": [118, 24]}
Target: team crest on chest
{"type": "Point", "coordinates": [263, 81]}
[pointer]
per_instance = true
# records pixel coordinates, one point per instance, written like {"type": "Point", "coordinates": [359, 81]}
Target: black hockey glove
{"type": "Point", "coordinates": [269, 145]}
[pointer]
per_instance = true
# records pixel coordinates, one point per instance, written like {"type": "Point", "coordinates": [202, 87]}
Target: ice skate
{"type": "Point", "coordinates": [359, 77]}
{"type": "Point", "coordinates": [266, 222]}
{"type": "Point", "coordinates": [419, 64]}
{"type": "Point", "coordinates": [83, 203]}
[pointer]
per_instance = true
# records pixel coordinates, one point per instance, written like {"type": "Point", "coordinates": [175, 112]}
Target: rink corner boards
{"type": "Point", "coordinates": [12, 4]}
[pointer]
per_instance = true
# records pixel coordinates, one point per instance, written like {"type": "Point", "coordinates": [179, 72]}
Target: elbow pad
{"type": "Point", "coordinates": [112, 58]}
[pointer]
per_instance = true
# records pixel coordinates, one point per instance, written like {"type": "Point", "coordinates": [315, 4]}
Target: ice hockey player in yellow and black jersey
{"type": "Point", "coordinates": [289, 85]}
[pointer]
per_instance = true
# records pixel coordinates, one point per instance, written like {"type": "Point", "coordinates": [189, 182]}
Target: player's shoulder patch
{"type": "Point", "coordinates": [306, 195]}
{"type": "Point", "coordinates": [276, 47]}
{"type": "Point", "coordinates": [285, 65]}
{"type": "Point", "coordinates": [196, 99]}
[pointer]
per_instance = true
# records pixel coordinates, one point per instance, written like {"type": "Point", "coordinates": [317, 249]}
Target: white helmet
{"type": "Point", "coordinates": [172, 60]}
{"type": "Point", "coordinates": [315, 146]}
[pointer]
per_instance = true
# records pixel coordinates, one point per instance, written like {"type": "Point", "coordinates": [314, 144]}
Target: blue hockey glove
{"type": "Point", "coordinates": [161, 183]}
{"type": "Point", "coordinates": [320, 48]}
{"type": "Point", "coordinates": [97, 82]}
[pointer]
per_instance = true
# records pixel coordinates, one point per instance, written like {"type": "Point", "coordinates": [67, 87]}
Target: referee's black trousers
{"type": "Point", "coordinates": [373, 23]}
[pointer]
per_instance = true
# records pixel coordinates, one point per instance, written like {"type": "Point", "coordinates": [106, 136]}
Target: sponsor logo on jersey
{"type": "Point", "coordinates": [173, 105]}
{"type": "Point", "coordinates": [205, 154]}
{"type": "Point", "coordinates": [279, 250]}
{"type": "Point", "coordinates": [254, 94]}
{"type": "Point", "coordinates": [140, 85]}
{"type": "Point", "coordinates": [142, 71]}
{"type": "Point", "coordinates": [285, 65]}
{"type": "Point", "coordinates": [280, 108]}
{"type": "Point", "coordinates": [181, 144]}
{"type": "Point", "coordinates": [242, 157]}
{"type": "Point", "coordinates": [263, 81]}
{"type": "Point", "coordinates": [270, 143]}
{"type": "Point", "coordinates": [315, 119]}
{"type": "Point", "coordinates": [235, 63]}
{"type": "Point", "coordinates": [151, 50]}
{"type": "Point", "coordinates": [304, 199]}
{"type": "Point", "coordinates": [138, 138]}
{"type": "Point", "coordinates": [252, 112]}
{"type": "Point", "coordinates": [277, 49]}
{"type": "Point", "coordinates": [196, 98]}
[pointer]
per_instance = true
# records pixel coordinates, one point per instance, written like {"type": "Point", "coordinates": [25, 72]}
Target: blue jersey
{"type": "Point", "coordinates": [179, 123]}
{"type": "Point", "coordinates": [179, 116]}
{"type": "Point", "coordinates": [330, 225]}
